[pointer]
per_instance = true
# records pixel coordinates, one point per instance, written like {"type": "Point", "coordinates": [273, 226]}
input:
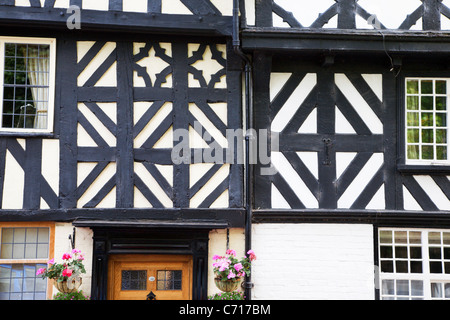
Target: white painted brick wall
{"type": "Point", "coordinates": [313, 261]}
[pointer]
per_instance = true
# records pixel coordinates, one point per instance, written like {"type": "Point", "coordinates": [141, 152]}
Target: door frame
{"type": "Point", "coordinates": [150, 241]}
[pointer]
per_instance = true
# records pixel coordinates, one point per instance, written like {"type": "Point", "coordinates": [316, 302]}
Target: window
{"type": "Point", "coordinates": [414, 264]}
{"type": "Point", "coordinates": [23, 250]}
{"type": "Point", "coordinates": [27, 77]}
{"type": "Point", "coordinates": [427, 139]}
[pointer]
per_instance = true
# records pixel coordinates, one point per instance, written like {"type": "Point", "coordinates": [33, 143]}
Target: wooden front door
{"type": "Point", "coordinates": [135, 277]}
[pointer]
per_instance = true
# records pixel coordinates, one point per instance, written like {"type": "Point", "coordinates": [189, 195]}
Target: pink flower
{"type": "Point", "coordinates": [67, 273]}
{"type": "Point", "coordinates": [252, 255]}
{"type": "Point", "coordinates": [238, 267]}
{"type": "Point", "coordinates": [81, 257]}
{"type": "Point", "coordinates": [216, 257]}
{"type": "Point", "coordinates": [231, 252]}
{"type": "Point", "coordinates": [40, 271]}
{"type": "Point", "coordinates": [67, 256]}
{"type": "Point", "coordinates": [51, 261]}
{"type": "Point", "coordinates": [231, 275]}
{"type": "Point", "coordinates": [76, 251]}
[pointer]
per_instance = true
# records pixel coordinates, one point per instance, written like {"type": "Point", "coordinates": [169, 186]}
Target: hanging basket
{"type": "Point", "coordinates": [66, 287]}
{"type": "Point", "coordinates": [227, 285]}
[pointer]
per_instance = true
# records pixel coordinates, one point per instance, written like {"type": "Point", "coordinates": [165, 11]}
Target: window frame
{"type": "Point", "coordinates": [425, 276]}
{"type": "Point", "coordinates": [420, 110]}
{"type": "Point", "coordinates": [51, 249]}
{"type": "Point", "coordinates": [417, 167]}
{"type": "Point", "coordinates": [52, 83]}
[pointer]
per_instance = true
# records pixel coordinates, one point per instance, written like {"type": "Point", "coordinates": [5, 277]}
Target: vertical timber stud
{"type": "Point", "coordinates": [346, 14]}
{"type": "Point", "coordinates": [234, 103]}
{"type": "Point", "coordinates": [67, 58]}
{"type": "Point", "coordinates": [262, 66]}
{"type": "Point", "coordinates": [326, 111]}
{"type": "Point", "coordinates": [125, 157]}
{"type": "Point", "coordinates": [263, 14]}
{"type": "Point", "coordinates": [431, 14]}
{"type": "Point", "coordinates": [390, 90]}
{"type": "Point", "coordinates": [33, 161]}
{"type": "Point", "coordinates": [180, 121]}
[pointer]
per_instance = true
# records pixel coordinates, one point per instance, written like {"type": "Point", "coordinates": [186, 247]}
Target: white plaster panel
{"type": "Point", "coordinates": [212, 184]}
{"type": "Point", "coordinates": [109, 78]}
{"type": "Point", "coordinates": [13, 185]}
{"type": "Point", "coordinates": [135, 5]}
{"type": "Point", "coordinates": [84, 168]}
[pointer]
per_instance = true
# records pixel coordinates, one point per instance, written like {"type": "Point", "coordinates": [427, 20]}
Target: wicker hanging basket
{"type": "Point", "coordinates": [65, 287]}
{"type": "Point", "coordinates": [227, 285]}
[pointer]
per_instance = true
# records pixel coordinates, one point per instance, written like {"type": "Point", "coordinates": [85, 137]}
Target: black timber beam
{"type": "Point", "coordinates": [339, 41]}
{"type": "Point", "coordinates": [231, 218]}
{"type": "Point", "coordinates": [115, 21]}
{"type": "Point", "coordinates": [382, 218]}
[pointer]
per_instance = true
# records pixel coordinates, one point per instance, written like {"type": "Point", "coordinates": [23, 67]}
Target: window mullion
{"type": "Point", "coordinates": [426, 266]}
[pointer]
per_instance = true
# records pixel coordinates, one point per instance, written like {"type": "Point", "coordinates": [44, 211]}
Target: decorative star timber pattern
{"type": "Point", "coordinates": [347, 11]}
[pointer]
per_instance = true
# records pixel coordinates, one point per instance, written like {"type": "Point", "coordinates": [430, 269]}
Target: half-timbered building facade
{"type": "Point", "coordinates": [154, 134]}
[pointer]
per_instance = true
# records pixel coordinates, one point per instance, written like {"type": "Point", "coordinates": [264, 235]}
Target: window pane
{"type": "Point", "coordinates": [441, 103]}
{"type": "Point", "coordinates": [441, 86]}
{"type": "Point", "coordinates": [427, 86]}
{"type": "Point", "coordinates": [435, 267]}
{"type": "Point", "coordinates": [441, 136]}
{"type": "Point", "coordinates": [441, 153]}
{"type": "Point", "coordinates": [413, 119]}
{"type": "Point", "coordinates": [427, 103]}
{"type": "Point", "coordinates": [7, 235]}
{"type": "Point", "coordinates": [415, 237]}
{"type": "Point", "coordinates": [169, 280]}
{"type": "Point", "coordinates": [415, 252]}
{"type": "Point", "coordinates": [402, 287]}
{"type": "Point", "coordinates": [427, 136]}
{"type": "Point", "coordinates": [386, 252]}
{"type": "Point", "coordinates": [19, 235]}
{"type": "Point", "coordinates": [413, 152]}
{"type": "Point", "coordinates": [427, 119]}
{"type": "Point", "coordinates": [416, 288]}
{"type": "Point", "coordinates": [413, 136]}
{"type": "Point", "coordinates": [401, 252]}
{"type": "Point", "coordinates": [428, 152]}
{"type": "Point", "coordinates": [436, 290]}
{"type": "Point", "coordinates": [386, 236]}
{"type": "Point", "coordinates": [134, 280]}
{"type": "Point", "coordinates": [412, 103]}
{"type": "Point", "coordinates": [401, 266]}
{"type": "Point", "coordinates": [387, 266]}
{"type": "Point", "coordinates": [434, 238]}
{"type": "Point", "coordinates": [412, 86]}
{"type": "Point", "coordinates": [401, 237]}
{"type": "Point", "coordinates": [388, 287]}
{"type": "Point", "coordinates": [441, 119]}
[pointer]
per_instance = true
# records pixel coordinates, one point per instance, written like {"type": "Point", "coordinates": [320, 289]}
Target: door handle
{"type": "Point", "coordinates": [151, 296]}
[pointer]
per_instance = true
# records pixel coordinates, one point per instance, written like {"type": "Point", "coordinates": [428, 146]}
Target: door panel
{"type": "Point", "coordinates": [133, 277]}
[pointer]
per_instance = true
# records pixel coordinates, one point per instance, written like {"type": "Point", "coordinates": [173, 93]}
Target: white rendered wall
{"type": "Point", "coordinates": [218, 245]}
{"type": "Point", "coordinates": [313, 261]}
{"type": "Point", "coordinates": [83, 242]}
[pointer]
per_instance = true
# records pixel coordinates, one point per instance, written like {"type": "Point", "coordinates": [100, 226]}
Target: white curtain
{"type": "Point", "coordinates": [38, 75]}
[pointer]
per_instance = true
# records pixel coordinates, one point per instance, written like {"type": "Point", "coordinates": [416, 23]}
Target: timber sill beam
{"type": "Point", "coordinates": [340, 41]}
{"type": "Point", "coordinates": [115, 21]}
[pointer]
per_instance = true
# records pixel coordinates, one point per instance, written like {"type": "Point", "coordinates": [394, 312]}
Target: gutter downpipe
{"type": "Point", "coordinates": [248, 285]}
